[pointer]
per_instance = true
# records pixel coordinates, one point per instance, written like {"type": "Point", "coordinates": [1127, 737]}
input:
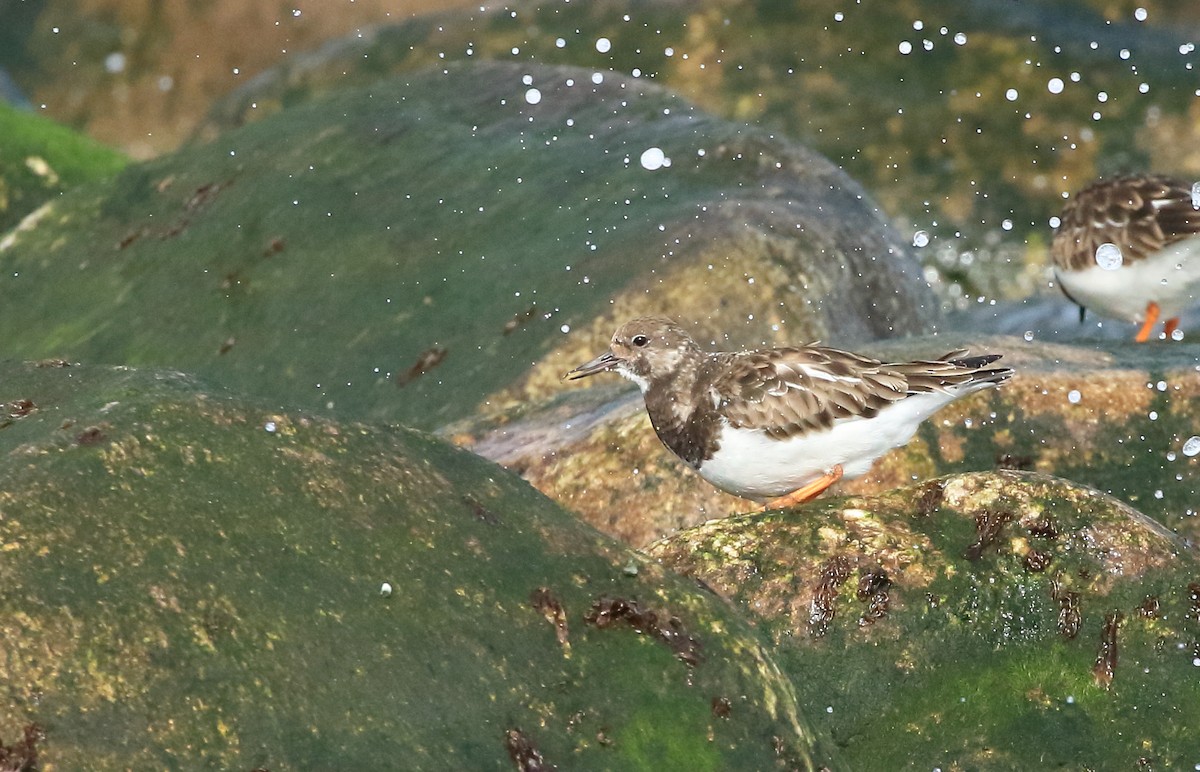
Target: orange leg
{"type": "Point", "coordinates": [808, 492]}
{"type": "Point", "coordinates": [1148, 325]}
{"type": "Point", "coordinates": [1171, 326]}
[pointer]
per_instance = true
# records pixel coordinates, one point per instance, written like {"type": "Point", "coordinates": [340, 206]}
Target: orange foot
{"type": "Point", "coordinates": [808, 492]}
{"type": "Point", "coordinates": [1171, 326]}
{"type": "Point", "coordinates": [1152, 312]}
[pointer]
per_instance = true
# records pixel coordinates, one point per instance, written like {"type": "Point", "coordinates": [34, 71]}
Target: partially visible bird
{"type": "Point", "coordinates": [781, 425]}
{"type": "Point", "coordinates": [1129, 248]}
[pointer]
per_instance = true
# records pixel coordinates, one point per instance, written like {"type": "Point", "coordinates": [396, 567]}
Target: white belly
{"type": "Point", "coordinates": [1170, 278]}
{"type": "Point", "coordinates": [750, 464]}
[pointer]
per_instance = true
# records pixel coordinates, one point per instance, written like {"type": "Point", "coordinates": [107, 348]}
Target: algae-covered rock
{"type": "Point", "coordinates": [1119, 418]}
{"type": "Point", "coordinates": [193, 581]}
{"type": "Point", "coordinates": [40, 159]}
{"type": "Point", "coordinates": [915, 99]}
{"type": "Point", "coordinates": [404, 250]}
{"type": "Point", "coordinates": [1003, 620]}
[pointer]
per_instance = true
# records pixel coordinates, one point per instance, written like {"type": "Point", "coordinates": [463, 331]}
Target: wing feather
{"type": "Point", "coordinates": [792, 390]}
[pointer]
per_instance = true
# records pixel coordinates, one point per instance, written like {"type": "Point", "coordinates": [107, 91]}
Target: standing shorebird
{"type": "Point", "coordinates": [781, 425]}
{"type": "Point", "coordinates": [1129, 248]}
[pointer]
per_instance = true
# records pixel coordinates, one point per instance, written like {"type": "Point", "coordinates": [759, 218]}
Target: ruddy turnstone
{"type": "Point", "coordinates": [781, 425]}
{"type": "Point", "coordinates": [1129, 248]}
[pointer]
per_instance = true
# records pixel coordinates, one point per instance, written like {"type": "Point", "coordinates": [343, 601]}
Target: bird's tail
{"type": "Point", "coordinates": [956, 373]}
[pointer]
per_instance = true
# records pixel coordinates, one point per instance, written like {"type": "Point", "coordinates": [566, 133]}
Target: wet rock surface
{"type": "Point", "coordinates": [192, 580]}
{"type": "Point", "coordinates": [404, 251]}
{"type": "Point", "coordinates": [919, 624]}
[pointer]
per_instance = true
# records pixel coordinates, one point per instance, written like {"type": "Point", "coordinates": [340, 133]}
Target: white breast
{"type": "Point", "coordinates": [751, 464]}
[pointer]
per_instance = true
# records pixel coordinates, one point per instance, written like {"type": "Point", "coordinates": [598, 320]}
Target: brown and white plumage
{"type": "Point", "coordinates": [1153, 221]}
{"type": "Point", "coordinates": [761, 424]}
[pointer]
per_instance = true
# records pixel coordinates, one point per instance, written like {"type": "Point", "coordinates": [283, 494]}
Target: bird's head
{"type": "Point", "coordinates": [644, 349]}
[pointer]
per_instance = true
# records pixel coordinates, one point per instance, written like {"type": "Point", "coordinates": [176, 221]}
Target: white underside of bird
{"type": "Point", "coordinates": [1170, 278]}
{"type": "Point", "coordinates": [754, 465]}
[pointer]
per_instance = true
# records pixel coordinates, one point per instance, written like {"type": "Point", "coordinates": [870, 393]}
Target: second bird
{"type": "Point", "coordinates": [1129, 248]}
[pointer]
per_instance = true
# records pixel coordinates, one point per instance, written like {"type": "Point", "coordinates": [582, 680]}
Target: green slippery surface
{"type": "Point", "coordinates": [40, 159]}
{"type": "Point", "coordinates": [969, 668]}
{"type": "Point", "coordinates": [193, 582]}
{"type": "Point", "coordinates": [933, 134]}
{"type": "Point", "coordinates": [318, 256]}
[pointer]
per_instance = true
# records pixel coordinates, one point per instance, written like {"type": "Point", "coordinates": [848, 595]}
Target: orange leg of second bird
{"type": "Point", "coordinates": [1171, 326]}
{"type": "Point", "coordinates": [1152, 312]}
{"type": "Point", "coordinates": [808, 492]}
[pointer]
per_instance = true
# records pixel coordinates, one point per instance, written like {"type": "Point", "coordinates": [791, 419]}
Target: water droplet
{"type": "Point", "coordinates": [1011, 95]}
{"type": "Point", "coordinates": [115, 62]}
{"type": "Point", "coordinates": [533, 96]}
{"type": "Point", "coordinates": [1055, 85]}
{"type": "Point", "coordinates": [921, 238]}
{"type": "Point", "coordinates": [603, 45]}
{"type": "Point", "coordinates": [1028, 336]}
{"type": "Point", "coordinates": [905, 47]}
{"type": "Point", "coordinates": [653, 158]}
{"type": "Point", "coordinates": [270, 427]}
{"type": "Point", "coordinates": [1176, 334]}
{"type": "Point", "coordinates": [1073, 396]}
{"type": "Point", "coordinates": [1196, 195]}
{"type": "Point", "coordinates": [1108, 256]}
{"type": "Point", "coordinates": [1192, 446]}
{"type": "Point", "coordinates": [385, 589]}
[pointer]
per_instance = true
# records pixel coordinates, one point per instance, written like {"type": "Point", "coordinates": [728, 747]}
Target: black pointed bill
{"type": "Point", "coordinates": [603, 363]}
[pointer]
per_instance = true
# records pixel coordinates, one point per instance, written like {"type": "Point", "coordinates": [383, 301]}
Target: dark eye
{"type": "Point", "coordinates": [640, 340]}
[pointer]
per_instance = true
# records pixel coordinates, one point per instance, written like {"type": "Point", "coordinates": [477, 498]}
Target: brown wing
{"type": "Point", "coordinates": [789, 390]}
{"type": "Point", "coordinates": [1139, 214]}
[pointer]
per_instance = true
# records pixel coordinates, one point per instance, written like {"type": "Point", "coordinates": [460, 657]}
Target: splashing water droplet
{"type": "Point", "coordinates": [1192, 446]}
{"type": "Point", "coordinates": [653, 158]}
{"type": "Point", "coordinates": [1108, 256]}
{"type": "Point", "coordinates": [1196, 195]}
{"type": "Point", "coordinates": [921, 238]}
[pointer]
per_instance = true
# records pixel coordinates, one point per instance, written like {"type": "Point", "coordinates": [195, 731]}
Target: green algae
{"type": "Point", "coordinates": [973, 662]}
{"type": "Point", "coordinates": [198, 581]}
{"type": "Point", "coordinates": [40, 159]}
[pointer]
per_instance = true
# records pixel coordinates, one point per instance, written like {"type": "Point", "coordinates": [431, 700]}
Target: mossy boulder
{"type": "Point", "coordinates": [40, 159]}
{"type": "Point", "coordinates": [406, 250]}
{"type": "Point", "coordinates": [195, 581]}
{"type": "Point", "coordinates": [1005, 620]}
